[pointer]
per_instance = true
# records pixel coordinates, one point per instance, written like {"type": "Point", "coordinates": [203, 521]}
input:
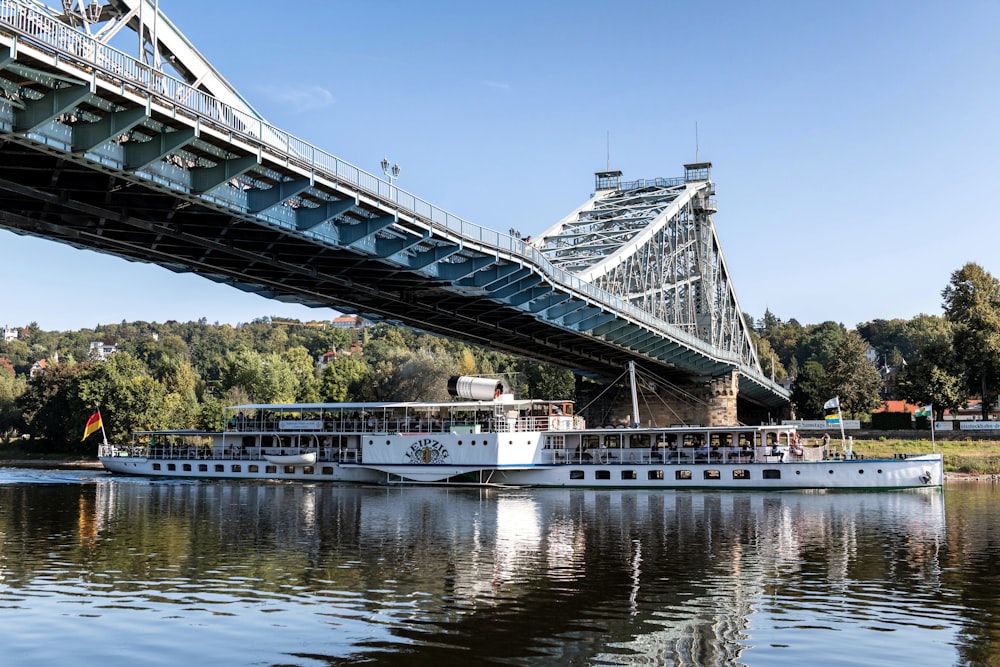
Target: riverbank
{"type": "Point", "coordinates": [63, 464]}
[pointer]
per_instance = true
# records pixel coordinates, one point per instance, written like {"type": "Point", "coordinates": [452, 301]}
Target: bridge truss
{"type": "Point", "coordinates": [104, 151]}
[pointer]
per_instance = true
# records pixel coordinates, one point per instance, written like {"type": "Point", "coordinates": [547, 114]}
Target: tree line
{"type": "Point", "coordinates": [181, 375]}
{"type": "Point", "coordinates": [943, 360]}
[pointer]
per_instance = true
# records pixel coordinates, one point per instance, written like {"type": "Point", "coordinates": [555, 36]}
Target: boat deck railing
{"type": "Point", "coordinates": [209, 453]}
{"type": "Point", "coordinates": [683, 455]}
{"type": "Point", "coordinates": [524, 423]}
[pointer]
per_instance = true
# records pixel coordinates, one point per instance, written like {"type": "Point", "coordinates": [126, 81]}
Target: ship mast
{"type": "Point", "coordinates": [635, 394]}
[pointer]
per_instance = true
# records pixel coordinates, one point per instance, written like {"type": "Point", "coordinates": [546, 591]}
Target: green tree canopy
{"type": "Point", "coordinates": [972, 304]}
{"type": "Point", "coordinates": [854, 378]}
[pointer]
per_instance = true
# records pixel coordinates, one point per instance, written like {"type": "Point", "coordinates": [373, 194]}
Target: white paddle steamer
{"type": "Point", "coordinates": [491, 438]}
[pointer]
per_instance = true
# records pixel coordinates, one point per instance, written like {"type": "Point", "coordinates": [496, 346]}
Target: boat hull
{"type": "Point", "coordinates": [852, 474]}
{"type": "Point", "coordinates": [259, 469]}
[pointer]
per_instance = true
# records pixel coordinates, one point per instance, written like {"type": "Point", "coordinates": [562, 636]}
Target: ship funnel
{"type": "Point", "coordinates": [477, 389]}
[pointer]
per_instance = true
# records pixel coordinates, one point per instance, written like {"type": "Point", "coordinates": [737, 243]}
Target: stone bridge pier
{"type": "Point", "coordinates": [708, 402]}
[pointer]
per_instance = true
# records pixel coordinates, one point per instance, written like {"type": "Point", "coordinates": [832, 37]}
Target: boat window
{"type": "Point", "coordinates": [722, 439]}
{"type": "Point", "coordinates": [236, 467]}
{"type": "Point", "coordinates": [602, 474]}
{"type": "Point", "coordinates": [202, 467]}
{"type": "Point", "coordinates": [713, 474]}
{"type": "Point", "coordinates": [270, 470]}
{"type": "Point", "coordinates": [613, 441]}
{"type": "Point", "coordinates": [682, 474]}
{"type": "Point", "coordinates": [555, 442]}
{"type": "Point", "coordinates": [655, 474]}
{"type": "Point", "coordinates": [741, 474]}
{"type": "Point", "coordinates": [628, 474]}
{"type": "Point", "coordinates": [638, 441]}
{"type": "Point", "coordinates": [187, 467]}
{"type": "Point", "coordinates": [576, 474]}
{"type": "Point", "coordinates": [156, 466]}
{"type": "Point", "coordinates": [772, 473]}
{"type": "Point", "coordinates": [289, 470]}
{"type": "Point", "coordinates": [219, 467]}
{"type": "Point", "coordinates": [308, 470]}
{"type": "Point", "coordinates": [591, 441]}
{"type": "Point", "coordinates": [326, 470]}
{"type": "Point", "coordinates": [172, 467]}
{"type": "Point", "coordinates": [253, 468]}
{"type": "Point", "coordinates": [693, 440]}
{"type": "Point", "coordinates": [666, 440]}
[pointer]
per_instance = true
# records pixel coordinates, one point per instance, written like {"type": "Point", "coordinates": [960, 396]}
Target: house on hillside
{"type": "Point", "coordinates": [100, 351]}
{"type": "Point", "coordinates": [355, 349]}
{"type": "Point", "coordinates": [349, 322]}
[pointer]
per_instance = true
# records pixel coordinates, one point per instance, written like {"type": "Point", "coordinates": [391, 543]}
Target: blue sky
{"type": "Point", "coordinates": [855, 144]}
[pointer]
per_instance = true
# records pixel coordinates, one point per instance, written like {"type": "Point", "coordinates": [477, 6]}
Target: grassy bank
{"type": "Point", "coordinates": [969, 456]}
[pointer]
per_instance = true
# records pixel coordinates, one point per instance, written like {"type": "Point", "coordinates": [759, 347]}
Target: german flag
{"type": "Point", "coordinates": [93, 424]}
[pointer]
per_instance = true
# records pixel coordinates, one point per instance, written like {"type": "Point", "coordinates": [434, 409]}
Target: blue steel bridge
{"type": "Point", "coordinates": [106, 151]}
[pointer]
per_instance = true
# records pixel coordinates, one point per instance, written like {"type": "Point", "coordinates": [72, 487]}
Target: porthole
{"type": "Point", "coordinates": [371, 442]}
{"type": "Point", "coordinates": [861, 471]}
{"type": "Point", "coordinates": [459, 443]}
{"type": "Point", "coordinates": [473, 443]}
{"type": "Point", "coordinates": [879, 471]}
{"type": "Point", "coordinates": [798, 472]}
{"type": "Point", "coordinates": [388, 442]}
{"type": "Point", "coordinates": [831, 472]}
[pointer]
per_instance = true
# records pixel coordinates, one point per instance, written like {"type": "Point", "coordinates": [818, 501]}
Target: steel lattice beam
{"type": "Point", "coordinates": [99, 151]}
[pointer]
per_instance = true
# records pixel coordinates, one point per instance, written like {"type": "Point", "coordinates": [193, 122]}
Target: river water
{"type": "Point", "coordinates": [98, 570]}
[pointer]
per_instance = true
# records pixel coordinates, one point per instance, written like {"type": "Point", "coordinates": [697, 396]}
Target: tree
{"type": "Point", "coordinates": [545, 381]}
{"type": "Point", "coordinates": [811, 390]}
{"type": "Point", "coordinates": [972, 304]}
{"type": "Point", "coordinates": [819, 343]}
{"type": "Point", "coordinates": [130, 398]}
{"type": "Point", "coordinates": [58, 402]}
{"type": "Point", "coordinates": [342, 379]}
{"type": "Point", "coordinates": [53, 411]}
{"type": "Point", "coordinates": [266, 378]}
{"type": "Point", "coordinates": [11, 389]}
{"type": "Point", "coordinates": [302, 366]}
{"type": "Point", "coordinates": [853, 377]}
{"type": "Point", "coordinates": [934, 377]}
{"type": "Point", "coordinates": [769, 361]}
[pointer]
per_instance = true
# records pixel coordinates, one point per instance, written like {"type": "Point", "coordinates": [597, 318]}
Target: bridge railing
{"type": "Point", "coordinates": [38, 28]}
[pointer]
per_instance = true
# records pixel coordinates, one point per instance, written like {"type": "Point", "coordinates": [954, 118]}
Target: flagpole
{"type": "Point", "coordinates": [933, 444]}
{"type": "Point", "coordinates": [104, 435]}
{"type": "Point", "coordinates": [840, 418]}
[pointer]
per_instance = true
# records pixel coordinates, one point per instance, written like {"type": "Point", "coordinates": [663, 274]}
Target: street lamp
{"type": "Point", "coordinates": [392, 172]}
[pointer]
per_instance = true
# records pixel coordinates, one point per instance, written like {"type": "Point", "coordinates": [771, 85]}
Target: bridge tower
{"type": "Point", "coordinates": [653, 244]}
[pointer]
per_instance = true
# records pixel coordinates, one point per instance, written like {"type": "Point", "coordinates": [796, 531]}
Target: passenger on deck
{"type": "Point", "coordinates": [797, 445]}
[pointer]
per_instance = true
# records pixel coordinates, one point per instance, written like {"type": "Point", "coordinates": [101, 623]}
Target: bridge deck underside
{"type": "Point", "coordinates": [113, 159]}
{"type": "Point", "coordinates": [45, 195]}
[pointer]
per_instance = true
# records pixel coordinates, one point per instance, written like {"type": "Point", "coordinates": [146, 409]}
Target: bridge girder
{"type": "Point", "coordinates": [103, 159]}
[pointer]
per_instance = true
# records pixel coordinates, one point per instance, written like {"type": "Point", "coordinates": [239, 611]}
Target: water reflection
{"type": "Point", "coordinates": [248, 573]}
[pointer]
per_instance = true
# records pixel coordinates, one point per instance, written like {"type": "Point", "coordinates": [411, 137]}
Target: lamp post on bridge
{"type": "Point", "coordinates": [391, 171]}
